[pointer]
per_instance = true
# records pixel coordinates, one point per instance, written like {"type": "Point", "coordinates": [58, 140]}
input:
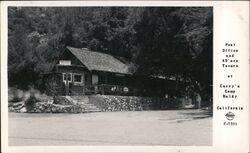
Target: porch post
{"type": "Point", "coordinates": [83, 80]}
{"type": "Point", "coordinates": [106, 82]}
{"type": "Point", "coordinates": [67, 85]}
{"type": "Point", "coordinates": [102, 89]}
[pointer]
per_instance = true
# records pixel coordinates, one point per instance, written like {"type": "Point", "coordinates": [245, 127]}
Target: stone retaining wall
{"type": "Point", "coordinates": [103, 102]}
{"type": "Point", "coordinates": [61, 105]}
{"type": "Point", "coordinates": [132, 103]}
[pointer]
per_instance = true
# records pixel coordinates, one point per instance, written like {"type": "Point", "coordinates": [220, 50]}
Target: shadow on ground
{"type": "Point", "coordinates": [203, 114]}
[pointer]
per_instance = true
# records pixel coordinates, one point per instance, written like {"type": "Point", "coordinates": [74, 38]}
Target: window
{"type": "Point", "coordinates": [65, 62]}
{"type": "Point", "coordinates": [65, 77]}
{"type": "Point", "coordinates": [78, 78]}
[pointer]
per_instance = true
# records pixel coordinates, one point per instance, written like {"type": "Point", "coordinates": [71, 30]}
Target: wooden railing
{"type": "Point", "coordinates": [104, 89]}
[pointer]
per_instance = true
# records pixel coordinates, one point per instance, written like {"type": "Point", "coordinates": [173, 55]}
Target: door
{"type": "Point", "coordinates": [67, 79]}
{"type": "Point", "coordinates": [78, 83]}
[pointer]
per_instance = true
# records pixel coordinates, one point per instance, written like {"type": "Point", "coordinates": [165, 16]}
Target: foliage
{"type": "Point", "coordinates": [30, 102]}
{"type": "Point", "coordinates": [170, 42]}
{"type": "Point", "coordinates": [15, 95]}
{"type": "Point", "coordinates": [176, 42]}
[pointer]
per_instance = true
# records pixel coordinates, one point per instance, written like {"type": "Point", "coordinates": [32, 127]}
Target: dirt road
{"type": "Point", "coordinates": [173, 127]}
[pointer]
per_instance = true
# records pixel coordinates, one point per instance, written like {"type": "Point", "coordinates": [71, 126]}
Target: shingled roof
{"type": "Point", "coordinates": [100, 61]}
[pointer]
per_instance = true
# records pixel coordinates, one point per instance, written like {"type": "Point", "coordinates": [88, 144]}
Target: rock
{"type": "Point", "coordinates": [18, 104]}
{"type": "Point", "coordinates": [19, 107]}
{"type": "Point", "coordinates": [53, 109]}
{"type": "Point", "coordinates": [23, 110]}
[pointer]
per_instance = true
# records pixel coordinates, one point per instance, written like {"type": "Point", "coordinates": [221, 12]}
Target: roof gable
{"type": "Point", "coordinates": [100, 61]}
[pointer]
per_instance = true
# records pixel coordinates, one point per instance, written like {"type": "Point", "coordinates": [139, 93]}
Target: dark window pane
{"type": "Point", "coordinates": [77, 78]}
{"type": "Point", "coordinates": [69, 77]}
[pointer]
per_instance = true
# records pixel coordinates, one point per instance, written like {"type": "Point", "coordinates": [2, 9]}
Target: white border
{"type": "Point", "coordinates": [226, 14]}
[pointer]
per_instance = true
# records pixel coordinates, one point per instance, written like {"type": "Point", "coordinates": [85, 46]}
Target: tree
{"type": "Point", "coordinates": [162, 41]}
{"type": "Point", "coordinates": [176, 42]}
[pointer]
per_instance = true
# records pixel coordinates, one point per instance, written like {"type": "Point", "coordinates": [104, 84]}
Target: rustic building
{"type": "Point", "coordinates": [81, 72]}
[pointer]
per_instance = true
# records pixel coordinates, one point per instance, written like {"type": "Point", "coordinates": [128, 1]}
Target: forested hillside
{"type": "Point", "coordinates": [161, 41]}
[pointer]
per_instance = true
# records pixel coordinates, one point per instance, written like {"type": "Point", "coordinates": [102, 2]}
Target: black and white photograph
{"type": "Point", "coordinates": [110, 76]}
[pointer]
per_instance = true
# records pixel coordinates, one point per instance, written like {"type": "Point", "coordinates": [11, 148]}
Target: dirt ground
{"type": "Point", "coordinates": [171, 127]}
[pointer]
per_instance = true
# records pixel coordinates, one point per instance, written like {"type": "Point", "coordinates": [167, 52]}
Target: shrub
{"type": "Point", "coordinates": [30, 102]}
{"type": "Point", "coordinates": [31, 97]}
{"type": "Point", "coordinates": [15, 95]}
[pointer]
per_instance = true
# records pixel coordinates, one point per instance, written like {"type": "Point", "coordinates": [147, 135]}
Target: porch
{"type": "Point", "coordinates": [103, 89]}
{"type": "Point", "coordinates": [87, 83]}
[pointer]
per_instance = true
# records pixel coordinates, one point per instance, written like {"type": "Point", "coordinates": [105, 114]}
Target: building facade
{"type": "Point", "coordinates": [84, 72]}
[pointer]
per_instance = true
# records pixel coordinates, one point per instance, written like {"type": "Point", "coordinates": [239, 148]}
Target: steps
{"type": "Point", "coordinates": [84, 102]}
